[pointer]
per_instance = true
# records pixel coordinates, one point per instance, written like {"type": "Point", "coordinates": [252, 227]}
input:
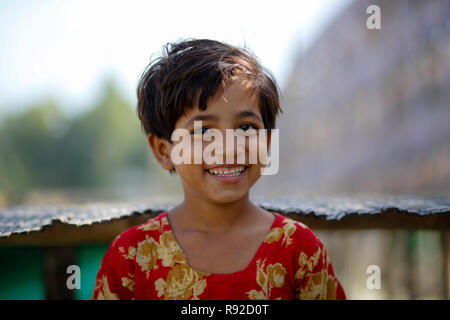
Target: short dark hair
{"type": "Point", "coordinates": [190, 72]}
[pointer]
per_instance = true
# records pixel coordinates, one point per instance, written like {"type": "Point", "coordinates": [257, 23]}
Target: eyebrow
{"type": "Point", "coordinates": [242, 114]}
{"type": "Point", "coordinates": [202, 117]}
{"type": "Point", "coordinates": [248, 114]}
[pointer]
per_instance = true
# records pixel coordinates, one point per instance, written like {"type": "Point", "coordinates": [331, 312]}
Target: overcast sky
{"type": "Point", "coordinates": [64, 49]}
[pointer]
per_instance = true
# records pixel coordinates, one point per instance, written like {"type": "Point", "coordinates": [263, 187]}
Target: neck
{"type": "Point", "coordinates": [205, 215]}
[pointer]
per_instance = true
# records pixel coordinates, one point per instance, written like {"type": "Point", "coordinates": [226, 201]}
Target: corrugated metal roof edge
{"type": "Point", "coordinates": [25, 219]}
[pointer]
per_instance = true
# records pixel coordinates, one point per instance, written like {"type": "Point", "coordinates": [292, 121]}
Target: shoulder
{"type": "Point", "coordinates": [152, 228]}
{"type": "Point", "coordinates": [293, 234]}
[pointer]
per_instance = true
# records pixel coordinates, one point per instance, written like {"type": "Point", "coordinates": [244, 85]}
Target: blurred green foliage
{"type": "Point", "coordinates": [43, 148]}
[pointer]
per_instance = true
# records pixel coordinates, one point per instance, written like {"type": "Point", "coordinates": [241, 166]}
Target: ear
{"type": "Point", "coordinates": [161, 150]}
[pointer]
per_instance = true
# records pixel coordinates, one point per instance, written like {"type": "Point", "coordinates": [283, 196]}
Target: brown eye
{"type": "Point", "coordinates": [247, 126]}
{"type": "Point", "coordinates": [203, 130]}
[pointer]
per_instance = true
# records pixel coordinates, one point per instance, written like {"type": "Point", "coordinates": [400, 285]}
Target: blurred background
{"type": "Point", "coordinates": [365, 111]}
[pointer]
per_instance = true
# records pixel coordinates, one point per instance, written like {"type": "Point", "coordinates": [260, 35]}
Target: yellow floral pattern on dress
{"type": "Point", "coordinates": [149, 251]}
{"type": "Point", "coordinates": [169, 251]}
{"type": "Point", "coordinates": [182, 283]}
{"type": "Point", "coordinates": [319, 285]}
{"type": "Point", "coordinates": [128, 282]}
{"type": "Point", "coordinates": [156, 254]}
{"type": "Point", "coordinates": [128, 255]}
{"type": "Point", "coordinates": [104, 291]}
{"type": "Point", "coordinates": [267, 278]}
{"type": "Point", "coordinates": [153, 224]}
{"type": "Point", "coordinates": [285, 232]}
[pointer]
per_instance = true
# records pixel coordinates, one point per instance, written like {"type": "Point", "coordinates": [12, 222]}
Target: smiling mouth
{"type": "Point", "coordinates": [228, 172]}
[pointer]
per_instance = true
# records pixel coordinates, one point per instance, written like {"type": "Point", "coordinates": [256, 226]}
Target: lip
{"type": "Point", "coordinates": [228, 180]}
{"type": "Point", "coordinates": [227, 166]}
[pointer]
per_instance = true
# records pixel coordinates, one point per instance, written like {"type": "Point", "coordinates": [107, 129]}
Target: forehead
{"type": "Point", "coordinates": [234, 99]}
{"type": "Point", "coordinates": [237, 91]}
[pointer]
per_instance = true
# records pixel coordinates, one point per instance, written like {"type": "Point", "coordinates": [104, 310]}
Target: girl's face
{"type": "Point", "coordinates": [233, 109]}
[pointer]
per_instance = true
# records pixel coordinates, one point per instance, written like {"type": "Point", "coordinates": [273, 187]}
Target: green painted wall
{"type": "Point", "coordinates": [89, 258]}
{"type": "Point", "coordinates": [22, 273]}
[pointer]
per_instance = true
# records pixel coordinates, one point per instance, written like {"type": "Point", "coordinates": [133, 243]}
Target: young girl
{"type": "Point", "coordinates": [216, 244]}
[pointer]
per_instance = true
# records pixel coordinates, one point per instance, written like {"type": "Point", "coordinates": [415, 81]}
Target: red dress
{"type": "Point", "coordinates": [146, 262]}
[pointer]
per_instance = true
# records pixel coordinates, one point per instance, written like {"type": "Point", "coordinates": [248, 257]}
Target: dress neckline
{"type": "Point", "coordinates": [250, 264]}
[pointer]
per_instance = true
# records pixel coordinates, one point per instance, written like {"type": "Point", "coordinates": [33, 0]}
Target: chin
{"type": "Point", "coordinates": [227, 197]}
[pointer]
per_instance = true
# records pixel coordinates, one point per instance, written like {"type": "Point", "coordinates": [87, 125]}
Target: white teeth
{"type": "Point", "coordinates": [228, 173]}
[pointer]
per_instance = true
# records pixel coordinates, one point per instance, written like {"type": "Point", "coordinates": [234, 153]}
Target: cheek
{"type": "Point", "coordinates": [190, 173]}
{"type": "Point", "coordinates": [255, 171]}
{"type": "Point", "coordinates": [187, 151]}
{"type": "Point", "coordinates": [256, 150]}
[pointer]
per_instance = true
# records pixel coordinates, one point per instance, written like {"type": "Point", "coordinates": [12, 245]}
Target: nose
{"type": "Point", "coordinates": [231, 147]}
